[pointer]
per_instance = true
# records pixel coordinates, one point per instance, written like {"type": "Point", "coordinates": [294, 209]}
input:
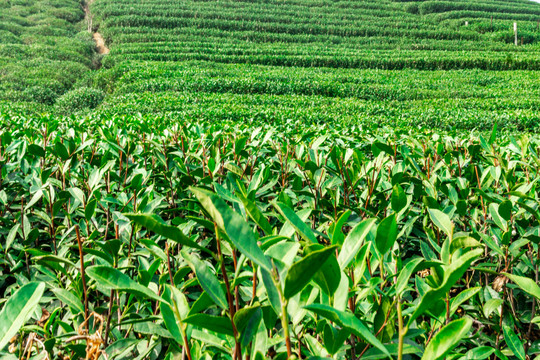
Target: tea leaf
{"type": "Point", "coordinates": [17, 309]}
{"type": "Point", "coordinates": [446, 339]}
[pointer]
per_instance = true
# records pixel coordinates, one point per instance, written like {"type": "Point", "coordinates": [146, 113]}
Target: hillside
{"type": "Point", "coordinates": [436, 63]}
{"type": "Point", "coordinates": [43, 50]}
{"type": "Point", "coordinates": [360, 34]}
{"type": "Point", "coordinates": [320, 61]}
{"type": "Point", "coordinates": [269, 179]}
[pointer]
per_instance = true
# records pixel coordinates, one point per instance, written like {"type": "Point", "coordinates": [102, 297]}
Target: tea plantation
{"type": "Point", "coordinates": [278, 179]}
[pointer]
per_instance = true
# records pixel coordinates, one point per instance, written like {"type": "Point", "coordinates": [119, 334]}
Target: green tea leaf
{"type": "Point", "coordinates": [11, 236]}
{"type": "Point", "coordinates": [68, 298]}
{"type": "Point", "coordinates": [90, 209]}
{"type": "Point", "coordinates": [301, 227]}
{"type": "Point", "coordinates": [490, 306]}
{"type": "Point", "coordinates": [208, 281]}
{"type": "Point", "coordinates": [462, 297]}
{"type": "Point", "coordinates": [242, 316]}
{"type": "Point", "coordinates": [405, 275]}
{"type": "Point", "coordinates": [497, 218]}
{"type": "Point", "coordinates": [329, 276]}
{"type": "Point", "coordinates": [463, 242]}
{"type": "Point", "coordinates": [513, 342]}
{"type": "Point", "coordinates": [399, 198]}
{"type": "Point", "coordinates": [271, 291]}
{"type": "Point", "coordinates": [446, 339]}
{"type": "Point", "coordinates": [505, 210]}
{"type": "Point", "coordinates": [255, 214]}
{"type": "Point", "coordinates": [236, 228]}
{"type": "Point", "coordinates": [78, 194]}
{"type": "Point", "coordinates": [386, 234]}
{"type": "Point", "coordinates": [36, 150]}
{"type": "Point", "coordinates": [155, 224]}
{"type": "Point", "coordinates": [442, 221]}
{"type": "Point", "coordinates": [302, 271]}
{"type": "Point", "coordinates": [174, 311]}
{"type": "Point", "coordinates": [218, 324]}
{"type": "Point", "coordinates": [479, 353]}
{"type": "Point", "coordinates": [112, 279]}
{"type": "Point", "coordinates": [350, 322]}
{"type": "Point", "coordinates": [17, 309]}
{"type": "Point", "coordinates": [353, 242]}
{"type": "Point", "coordinates": [335, 231]}
{"type": "Point", "coordinates": [526, 284]}
{"type": "Point", "coordinates": [452, 274]}
{"type": "Point", "coordinates": [61, 151]}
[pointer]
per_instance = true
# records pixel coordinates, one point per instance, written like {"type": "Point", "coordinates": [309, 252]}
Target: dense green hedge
{"type": "Point", "coordinates": [79, 99]}
{"type": "Point", "coordinates": [44, 49]}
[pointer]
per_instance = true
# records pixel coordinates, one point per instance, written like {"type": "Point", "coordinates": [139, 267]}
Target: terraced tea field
{"type": "Point", "coordinates": [300, 179]}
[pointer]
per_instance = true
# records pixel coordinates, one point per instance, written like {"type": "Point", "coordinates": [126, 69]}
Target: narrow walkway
{"type": "Point", "coordinates": [100, 44]}
{"type": "Point", "coordinates": [101, 47]}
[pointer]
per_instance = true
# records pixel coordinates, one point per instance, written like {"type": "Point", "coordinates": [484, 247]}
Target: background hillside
{"type": "Point", "coordinates": [419, 63]}
{"type": "Point", "coordinates": [325, 61]}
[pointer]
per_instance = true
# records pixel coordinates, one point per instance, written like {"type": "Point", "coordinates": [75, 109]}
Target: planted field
{"type": "Point", "coordinates": [269, 180]}
{"type": "Point", "coordinates": [457, 99]}
{"type": "Point", "coordinates": [427, 64]}
{"type": "Point", "coordinates": [43, 51]}
{"type": "Point", "coordinates": [292, 240]}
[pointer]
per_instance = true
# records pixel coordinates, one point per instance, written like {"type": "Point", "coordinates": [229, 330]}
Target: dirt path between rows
{"type": "Point", "coordinates": [100, 44]}
{"type": "Point", "coordinates": [101, 47]}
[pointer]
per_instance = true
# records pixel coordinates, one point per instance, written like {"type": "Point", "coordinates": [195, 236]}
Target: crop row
{"type": "Point", "coordinates": [367, 29]}
{"type": "Point", "coordinates": [299, 35]}
{"type": "Point", "coordinates": [459, 114]}
{"type": "Point", "coordinates": [133, 37]}
{"type": "Point", "coordinates": [428, 7]}
{"type": "Point", "coordinates": [363, 84]}
{"type": "Point", "coordinates": [381, 19]}
{"type": "Point", "coordinates": [282, 55]}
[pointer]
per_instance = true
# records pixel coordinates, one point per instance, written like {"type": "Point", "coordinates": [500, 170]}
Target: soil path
{"type": "Point", "coordinates": [100, 44]}
{"type": "Point", "coordinates": [101, 47]}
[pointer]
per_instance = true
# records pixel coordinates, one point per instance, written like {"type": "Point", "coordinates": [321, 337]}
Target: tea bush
{"type": "Point", "coordinates": [79, 99]}
{"type": "Point", "coordinates": [238, 239]}
{"type": "Point", "coordinates": [269, 180]}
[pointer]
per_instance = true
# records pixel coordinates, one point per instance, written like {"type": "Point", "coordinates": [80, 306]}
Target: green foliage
{"type": "Point", "coordinates": [375, 243]}
{"type": "Point", "coordinates": [79, 99]}
{"type": "Point", "coordinates": [259, 182]}
{"type": "Point", "coordinates": [40, 95]}
{"type": "Point", "coordinates": [301, 272]}
{"type": "Point", "coordinates": [447, 338]}
{"type": "Point", "coordinates": [42, 49]}
{"type": "Point", "coordinates": [18, 309]}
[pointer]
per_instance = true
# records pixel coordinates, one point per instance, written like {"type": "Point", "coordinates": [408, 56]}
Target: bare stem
{"type": "Point", "coordinates": [254, 284]}
{"type": "Point", "coordinates": [284, 315]}
{"type": "Point", "coordinates": [23, 235]}
{"type": "Point", "coordinates": [81, 255]}
{"type": "Point", "coordinates": [402, 331]}
{"type": "Point", "coordinates": [109, 316]}
{"type": "Point", "coordinates": [169, 263]}
{"type": "Point", "coordinates": [186, 350]}
{"type": "Point", "coordinates": [533, 310]}
{"type": "Point", "coordinates": [237, 348]}
{"type": "Point", "coordinates": [447, 308]}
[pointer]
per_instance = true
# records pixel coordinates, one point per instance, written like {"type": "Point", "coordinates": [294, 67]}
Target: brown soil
{"type": "Point", "coordinates": [101, 47]}
{"type": "Point", "coordinates": [100, 44]}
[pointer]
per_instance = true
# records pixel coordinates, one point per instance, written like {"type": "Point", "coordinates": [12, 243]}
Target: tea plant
{"type": "Point", "coordinates": [154, 240]}
{"type": "Point", "coordinates": [43, 50]}
{"type": "Point", "coordinates": [253, 180]}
